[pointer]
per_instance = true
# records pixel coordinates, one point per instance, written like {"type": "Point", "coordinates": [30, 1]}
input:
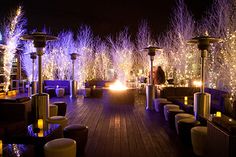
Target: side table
{"type": "Point", "coordinates": [60, 92]}
{"type": "Point", "coordinates": [33, 136]}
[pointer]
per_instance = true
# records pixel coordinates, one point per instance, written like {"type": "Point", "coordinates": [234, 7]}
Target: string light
{"type": "Point", "coordinates": [12, 34]}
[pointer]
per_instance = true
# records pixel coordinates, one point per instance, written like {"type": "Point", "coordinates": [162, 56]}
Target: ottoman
{"type": "Point", "coordinates": [61, 147]}
{"type": "Point", "coordinates": [61, 108]}
{"type": "Point", "coordinates": [171, 116]}
{"type": "Point", "coordinates": [159, 103]}
{"type": "Point", "coordinates": [181, 116]}
{"type": "Point", "coordinates": [58, 120]}
{"type": "Point", "coordinates": [184, 126]}
{"type": "Point", "coordinates": [168, 107]}
{"type": "Point", "coordinates": [78, 133]}
{"type": "Point", "coordinates": [53, 109]}
{"type": "Point", "coordinates": [199, 140]}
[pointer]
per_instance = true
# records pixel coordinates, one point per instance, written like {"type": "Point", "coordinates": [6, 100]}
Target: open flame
{"type": "Point", "coordinates": [117, 86]}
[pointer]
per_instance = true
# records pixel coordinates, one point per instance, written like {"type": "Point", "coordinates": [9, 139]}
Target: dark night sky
{"type": "Point", "coordinates": [104, 16]}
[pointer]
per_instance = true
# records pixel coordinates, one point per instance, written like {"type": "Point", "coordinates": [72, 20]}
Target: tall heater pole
{"type": "Point", "coordinates": [73, 83]}
{"type": "Point", "coordinates": [33, 56]}
{"type": "Point", "coordinates": [150, 90]}
{"type": "Point", "coordinates": [40, 101]}
{"type": "Point", "coordinates": [202, 100]}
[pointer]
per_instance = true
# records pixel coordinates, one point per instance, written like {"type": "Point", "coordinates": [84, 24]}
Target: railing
{"type": "Point", "coordinates": [19, 85]}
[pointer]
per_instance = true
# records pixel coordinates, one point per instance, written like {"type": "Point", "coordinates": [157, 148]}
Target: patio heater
{"type": "Point", "coordinates": [202, 100]}
{"type": "Point", "coordinates": [150, 90]}
{"type": "Point", "coordinates": [40, 100]}
{"type": "Point", "coordinates": [73, 83]}
{"type": "Point", "coordinates": [33, 56]}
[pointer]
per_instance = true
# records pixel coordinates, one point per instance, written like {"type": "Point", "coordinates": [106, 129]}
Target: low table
{"type": "Point", "coordinates": [33, 136]}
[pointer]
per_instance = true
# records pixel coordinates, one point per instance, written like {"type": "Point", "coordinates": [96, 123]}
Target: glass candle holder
{"type": "Point", "coordinates": [1, 146]}
{"type": "Point", "coordinates": [40, 134]}
{"type": "Point", "coordinates": [40, 124]}
{"type": "Point", "coordinates": [218, 114]}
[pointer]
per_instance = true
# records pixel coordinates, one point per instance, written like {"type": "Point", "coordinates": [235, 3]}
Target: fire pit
{"type": "Point", "coordinates": [118, 94]}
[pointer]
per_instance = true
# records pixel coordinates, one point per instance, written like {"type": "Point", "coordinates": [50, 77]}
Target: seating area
{"type": "Point", "coordinates": [15, 113]}
{"type": "Point", "coordinates": [50, 87]}
{"type": "Point", "coordinates": [218, 98]}
{"type": "Point", "coordinates": [173, 106]}
{"type": "Point", "coordinates": [77, 127]}
{"type": "Point", "coordinates": [18, 126]}
{"type": "Point", "coordinates": [174, 93]}
{"type": "Point", "coordinates": [219, 101]}
{"type": "Point", "coordinates": [94, 88]}
{"type": "Point", "coordinates": [118, 79]}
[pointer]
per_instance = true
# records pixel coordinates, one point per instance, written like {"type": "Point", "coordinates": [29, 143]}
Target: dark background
{"type": "Point", "coordinates": [104, 16]}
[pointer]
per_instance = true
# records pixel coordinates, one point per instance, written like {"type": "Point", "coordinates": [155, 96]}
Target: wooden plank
{"type": "Point", "coordinates": [125, 130]}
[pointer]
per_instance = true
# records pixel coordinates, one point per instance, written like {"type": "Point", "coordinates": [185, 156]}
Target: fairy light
{"type": "Point", "coordinates": [102, 60]}
{"type": "Point", "coordinates": [187, 62]}
{"type": "Point", "coordinates": [121, 52]}
{"type": "Point", "coordinates": [27, 61]}
{"type": "Point", "coordinates": [229, 56]}
{"type": "Point", "coordinates": [141, 58]}
{"type": "Point", "coordinates": [13, 33]}
{"type": "Point", "coordinates": [94, 60]}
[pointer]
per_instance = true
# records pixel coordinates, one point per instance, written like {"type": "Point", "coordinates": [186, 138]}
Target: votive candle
{"type": "Point", "coordinates": [218, 114]}
{"type": "Point", "coordinates": [1, 145]}
{"type": "Point", "coordinates": [185, 102]}
{"type": "Point", "coordinates": [40, 134]}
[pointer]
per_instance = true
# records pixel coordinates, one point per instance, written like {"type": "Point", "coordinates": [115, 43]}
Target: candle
{"type": "Point", "coordinates": [218, 114]}
{"type": "Point", "coordinates": [1, 147]}
{"type": "Point", "coordinates": [40, 134]}
{"type": "Point", "coordinates": [40, 123]}
{"type": "Point", "coordinates": [185, 102]}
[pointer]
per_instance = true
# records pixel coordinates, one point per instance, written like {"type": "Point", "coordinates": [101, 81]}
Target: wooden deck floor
{"type": "Point", "coordinates": [124, 130]}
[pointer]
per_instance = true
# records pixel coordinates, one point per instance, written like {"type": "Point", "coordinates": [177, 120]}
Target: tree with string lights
{"type": "Point", "coordinates": [122, 51]}
{"type": "Point", "coordinates": [12, 33]}
{"type": "Point", "coordinates": [181, 56]}
{"type": "Point", "coordinates": [84, 45]}
{"type": "Point", "coordinates": [102, 59]}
